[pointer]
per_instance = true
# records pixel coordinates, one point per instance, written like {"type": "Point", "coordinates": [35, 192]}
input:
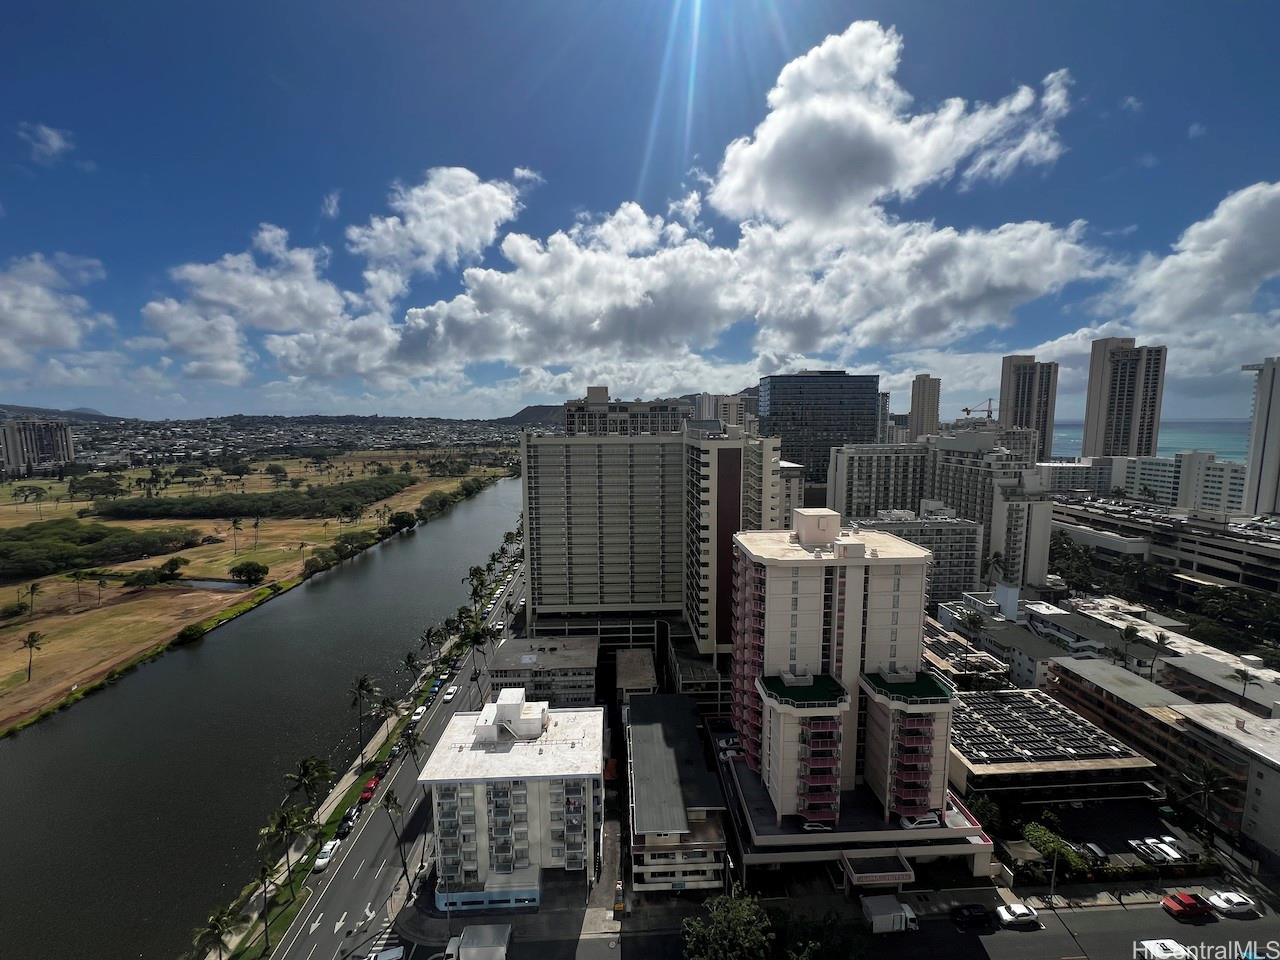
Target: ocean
{"type": "Point", "coordinates": [1229, 439]}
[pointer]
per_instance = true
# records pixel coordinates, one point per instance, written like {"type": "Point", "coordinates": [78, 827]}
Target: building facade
{"type": "Point", "coordinates": [1262, 491]}
{"type": "Point", "coordinates": [560, 671]}
{"type": "Point", "coordinates": [1028, 397]}
{"type": "Point", "coordinates": [815, 410]}
{"type": "Point", "coordinates": [1123, 399]}
{"type": "Point", "coordinates": [516, 789]}
{"type": "Point", "coordinates": [597, 415]}
{"type": "Point", "coordinates": [1192, 479]}
{"type": "Point", "coordinates": [954, 545]}
{"type": "Point", "coordinates": [33, 444]}
{"type": "Point", "coordinates": [926, 397]}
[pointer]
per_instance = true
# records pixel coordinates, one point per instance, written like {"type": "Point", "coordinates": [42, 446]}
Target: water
{"type": "Point", "coordinates": [1229, 439]}
{"type": "Point", "coordinates": [127, 819]}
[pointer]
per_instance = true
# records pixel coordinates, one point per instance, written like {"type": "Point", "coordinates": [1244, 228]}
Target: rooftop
{"type": "Point", "coordinates": [570, 744]}
{"type": "Point", "coordinates": [822, 688]}
{"type": "Point", "coordinates": [668, 773]}
{"type": "Point", "coordinates": [782, 545]}
{"type": "Point", "coordinates": [1254, 735]}
{"type": "Point", "coordinates": [910, 687]}
{"type": "Point", "coordinates": [538, 654]}
{"type": "Point", "coordinates": [1006, 633]}
{"type": "Point", "coordinates": [635, 670]}
{"type": "Point", "coordinates": [1026, 731]}
{"type": "Point", "coordinates": [1263, 691]}
{"type": "Point", "coordinates": [1120, 683]}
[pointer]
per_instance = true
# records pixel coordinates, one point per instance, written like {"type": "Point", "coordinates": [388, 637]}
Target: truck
{"type": "Point", "coordinates": [487, 941]}
{"type": "Point", "coordinates": [886, 914]}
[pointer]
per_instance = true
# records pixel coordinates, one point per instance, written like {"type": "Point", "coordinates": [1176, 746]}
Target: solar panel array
{"type": "Point", "coordinates": [1026, 726]}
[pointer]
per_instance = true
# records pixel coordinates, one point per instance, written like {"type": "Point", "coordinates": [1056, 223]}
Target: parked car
{"type": "Point", "coordinates": [813, 826]}
{"type": "Point", "coordinates": [418, 714]}
{"type": "Point", "coordinates": [1161, 950]}
{"type": "Point", "coordinates": [325, 855]}
{"type": "Point", "coordinates": [384, 767]}
{"type": "Point", "coordinates": [1186, 906]}
{"type": "Point", "coordinates": [450, 694]}
{"type": "Point", "coordinates": [968, 915]}
{"type": "Point", "coordinates": [729, 740]}
{"type": "Point", "coordinates": [1146, 851]}
{"type": "Point", "coordinates": [1017, 915]}
{"type": "Point", "coordinates": [923, 821]}
{"type": "Point", "coordinates": [366, 795]}
{"type": "Point", "coordinates": [731, 753]}
{"type": "Point", "coordinates": [1095, 852]}
{"type": "Point", "coordinates": [397, 748]}
{"type": "Point", "coordinates": [1233, 904]}
{"type": "Point", "coordinates": [1171, 854]}
{"type": "Point", "coordinates": [372, 782]}
{"type": "Point", "coordinates": [500, 625]}
{"type": "Point", "coordinates": [344, 829]}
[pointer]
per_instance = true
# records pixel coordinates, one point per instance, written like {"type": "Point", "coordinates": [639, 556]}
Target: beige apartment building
{"type": "Point", "coordinates": [1123, 399]}
{"type": "Point", "coordinates": [1028, 398]}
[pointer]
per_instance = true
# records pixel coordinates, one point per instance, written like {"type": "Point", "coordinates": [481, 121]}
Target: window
{"type": "Point", "coordinates": [795, 603]}
{"type": "Point", "coordinates": [793, 619]}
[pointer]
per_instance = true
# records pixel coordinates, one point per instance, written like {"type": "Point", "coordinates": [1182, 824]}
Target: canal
{"type": "Point", "coordinates": [128, 818]}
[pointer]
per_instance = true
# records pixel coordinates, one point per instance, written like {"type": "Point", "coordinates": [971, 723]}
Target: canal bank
{"type": "Point", "coordinates": [135, 815]}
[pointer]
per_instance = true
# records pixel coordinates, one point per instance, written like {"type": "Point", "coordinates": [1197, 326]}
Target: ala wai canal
{"type": "Point", "coordinates": [128, 818]}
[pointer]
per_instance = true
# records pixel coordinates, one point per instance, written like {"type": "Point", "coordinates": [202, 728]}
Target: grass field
{"type": "Point", "coordinates": [91, 632]}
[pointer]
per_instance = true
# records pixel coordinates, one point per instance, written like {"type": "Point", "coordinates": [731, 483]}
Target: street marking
{"type": "Point", "coordinates": [359, 868]}
{"type": "Point", "coordinates": [368, 912]}
{"type": "Point", "coordinates": [379, 873]}
{"type": "Point", "coordinates": [312, 950]}
{"type": "Point", "coordinates": [338, 926]}
{"type": "Point", "coordinates": [314, 925]}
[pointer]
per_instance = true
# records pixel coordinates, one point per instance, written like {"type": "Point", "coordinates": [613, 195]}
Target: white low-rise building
{"type": "Point", "coordinates": [516, 789]}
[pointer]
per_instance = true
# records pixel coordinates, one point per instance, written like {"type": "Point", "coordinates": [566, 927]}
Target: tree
{"type": "Point", "coordinates": [994, 566]}
{"type": "Point", "coordinates": [236, 526]}
{"type": "Point", "coordinates": [388, 708]}
{"type": "Point", "coordinates": [77, 577]}
{"type": "Point", "coordinates": [257, 525]}
{"type": "Point", "coordinates": [1162, 647]}
{"type": "Point", "coordinates": [391, 804]}
{"type": "Point", "coordinates": [363, 690]}
{"type": "Point", "coordinates": [312, 776]}
{"type": "Point", "coordinates": [32, 591]}
{"type": "Point", "coordinates": [31, 643]}
{"type": "Point", "coordinates": [276, 472]}
{"type": "Point", "coordinates": [169, 569]}
{"type": "Point", "coordinates": [1205, 783]}
{"type": "Point", "coordinates": [732, 928]}
{"type": "Point", "coordinates": [971, 622]}
{"type": "Point", "coordinates": [286, 825]}
{"type": "Point", "coordinates": [434, 636]}
{"type": "Point", "coordinates": [101, 584]}
{"type": "Point", "coordinates": [142, 579]}
{"type": "Point", "coordinates": [213, 935]}
{"type": "Point", "coordinates": [1246, 678]}
{"type": "Point", "coordinates": [249, 572]}
{"type": "Point", "coordinates": [412, 664]}
{"type": "Point", "coordinates": [1128, 636]}
{"type": "Point", "coordinates": [986, 810]}
{"type": "Point", "coordinates": [266, 869]}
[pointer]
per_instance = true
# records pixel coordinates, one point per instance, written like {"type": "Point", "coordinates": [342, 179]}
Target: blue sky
{"type": "Point", "coordinates": [456, 209]}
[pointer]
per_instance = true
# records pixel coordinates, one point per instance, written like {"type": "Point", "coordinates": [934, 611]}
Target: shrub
{"type": "Point", "coordinates": [189, 634]}
{"type": "Point", "coordinates": [1047, 843]}
{"type": "Point", "coordinates": [15, 609]}
{"type": "Point", "coordinates": [327, 501]}
{"type": "Point", "coordinates": [52, 546]}
{"type": "Point", "coordinates": [250, 571]}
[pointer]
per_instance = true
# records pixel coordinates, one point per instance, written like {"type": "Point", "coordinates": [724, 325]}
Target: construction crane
{"type": "Point", "coordinates": [987, 406]}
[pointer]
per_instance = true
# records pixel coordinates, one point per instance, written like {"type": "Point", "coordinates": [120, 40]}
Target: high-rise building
{"type": "Point", "coordinates": [884, 427]}
{"type": "Point", "coordinates": [516, 789]}
{"type": "Point", "coordinates": [955, 546]}
{"type": "Point", "coordinates": [1122, 405]}
{"type": "Point", "coordinates": [791, 478]}
{"type": "Point", "coordinates": [1028, 394]}
{"type": "Point", "coordinates": [926, 394]}
{"type": "Point", "coordinates": [828, 689]}
{"type": "Point", "coordinates": [987, 476]}
{"type": "Point", "coordinates": [1262, 488]}
{"type": "Point", "coordinates": [1192, 479]}
{"type": "Point", "coordinates": [731, 409]}
{"type": "Point", "coordinates": [30, 444]}
{"type": "Point", "coordinates": [596, 415]}
{"type": "Point", "coordinates": [815, 410]}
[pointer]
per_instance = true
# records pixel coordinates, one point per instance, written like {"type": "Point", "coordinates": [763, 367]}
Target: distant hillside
{"type": "Point", "coordinates": [537, 415]}
{"type": "Point", "coordinates": [80, 413]}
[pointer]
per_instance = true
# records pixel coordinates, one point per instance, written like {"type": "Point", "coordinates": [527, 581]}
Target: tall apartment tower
{"type": "Point", "coordinates": [1122, 405]}
{"type": "Point", "coordinates": [1028, 394]}
{"type": "Point", "coordinates": [1262, 484]}
{"type": "Point", "coordinates": [827, 687]}
{"type": "Point", "coordinates": [731, 409]}
{"type": "Point", "coordinates": [597, 415]}
{"type": "Point", "coordinates": [815, 410]}
{"type": "Point", "coordinates": [884, 427]}
{"type": "Point", "coordinates": [926, 393]}
{"type": "Point", "coordinates": [26, 444]}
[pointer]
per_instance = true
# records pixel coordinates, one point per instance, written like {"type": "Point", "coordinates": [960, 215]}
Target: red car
{"type": "Point", "coordinates": [1186, 906]}
{"type": "Point", "coordinates": [372, 783]}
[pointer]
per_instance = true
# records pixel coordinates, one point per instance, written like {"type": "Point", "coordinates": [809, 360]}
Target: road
{"type": "Point", "coordinates": [347, 913]}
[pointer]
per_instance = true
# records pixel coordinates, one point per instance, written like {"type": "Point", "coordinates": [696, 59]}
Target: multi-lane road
{"type": "Point", "coordinates": [348, 912]}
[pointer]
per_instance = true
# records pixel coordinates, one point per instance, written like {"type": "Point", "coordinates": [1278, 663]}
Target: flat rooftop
{"type": "Point", "coordinates": [823, 688]}
{"type": "Point", "coordinates": [635, 670]}
{"type": "Point", "coordinates": [1026, 731]}
{"type": "Point", "coordinates": [540, 654]}
{"type": "Point", "coordinates": [782, 545]}
{"type": "Point", "coordinates": [1254, 735]}
{"type": "Point", "coordinates": [952, 653]}
{"type": "Point", "coordinates": [1122, 684]}
{"type": "Point", "coordinates": [920, 686]}
{"type": "Point", "coordinates": [1264, 691]}
{"type": "Point", "coordinates": [571, 745]}
{"type": "Point", "coordinates": [1006, 633]}
{"type": "Point", "coordinates": [669, 775]}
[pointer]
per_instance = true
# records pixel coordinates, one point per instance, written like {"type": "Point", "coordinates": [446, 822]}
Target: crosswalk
{"type": "Point", "coordinates": [384, 940]}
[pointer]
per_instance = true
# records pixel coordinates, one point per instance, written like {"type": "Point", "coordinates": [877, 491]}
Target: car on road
{"type": "Point", "coordinates": [344, 829]}
{"type": "Point", "coordinates": [1094, 852]}
{"type": "Point", "coordinates": [523, 603]}
{"type": "Point", "coordinates": [1161, 950]}
{"type": "Point", "coordinates": [418, 714]}
{"type": "Point", "coordinates": [1017, 915]}
{"type": "Point", "coordinates": [968, 915]}
{"type": "Point", "coordinates": [921, 822]}
{"type": "Point", "coordinates": [384, 767]}
{"type": "Point", "coordinates": [1186, 906]}
{"type": "Point", "coordinates": [727, 741]}
{"type": "Point", "coordinates": [450, 694]}
{"type": "Point", "coordinates": [500, 625]}
{"type": "Point", "coordinates": [1233, 904]}
{"type": "Point", "coordinates": [325, 855]}
{"type": "Point", "coordinates": [731, 753]}
{"type": "Point", "coordinates": [813, 826]}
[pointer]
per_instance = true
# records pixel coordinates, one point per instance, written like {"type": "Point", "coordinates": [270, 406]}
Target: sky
{"type": "Point", "coordinates": [458, 209]}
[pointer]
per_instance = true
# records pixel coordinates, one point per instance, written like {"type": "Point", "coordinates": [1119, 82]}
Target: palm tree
{"type": "Point", "coordinates": [213, 935]}
{"type": "Point", "coordinates": [101, 585]}
{"type": "Point", "coordinates": [312, 775]}
{"type": "Point", "coordinates": [995, 565]}
{"type": "Point", "coordinates": [32, 591]}
{"type": "Point", "coordinates": [31, 643]}
{"type": "Point", "coordinates": [265, 870]}
{"type": "Point", "coordinates": [1162, 647]}
{"type": "Point", "coordinates": [1205, 783]}
{"type": "Point", "coordinates": [236, 525]}
{"type": "Point", "coordinates": [1128, 636]}
{"type": "Point", "coordinates": [388, 708]}
{"type": "Point", "coordinates": [1242, 675]}
{"type": "Point", "coordinates": [412, 665]}
{"type": "Point", "coordinates": [391, 804]}
{"type": "Point", "coordinates": [970, 622]}
{"type": "Point", "coordinates": [77, 577]}
{"type": "Point", "coordinates": [257, 523]}
{"type": "Point", "coordinates": [364, 689]}
{"type": "Point", "coordinates": [286, 825]}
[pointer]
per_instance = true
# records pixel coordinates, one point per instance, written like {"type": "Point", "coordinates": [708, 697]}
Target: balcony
{"type": "Point", "coordinates": [917, 723]}
{"type": "Point", "coordinates": [816, 726]}
{"type": "Point", "coordinates": [913, 740]}
{"type": "Point", "coordinates": [819, 779]}
{"type": "Point", "coordinates": [825, 761]}
{"type": "Point", "coordinates": [902, 793]}
{"type": "Point", "coordinates": [909, 808]}
{"type": "Point", "coordinates": [824, 815]}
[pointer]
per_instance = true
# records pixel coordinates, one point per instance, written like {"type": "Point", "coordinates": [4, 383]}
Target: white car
{"type": "Point", "coordinates": [814, 827]}
{"type": "Point", "coordinates": [920, 822]}
{"type": "Point", "coordinates": [450, 694]}
{"type": "Point", "coordinates": [1161, 950]}
{"type": "Point", "coordinates": [1233, 904]}
{"type": "Point", "coordinates": [1017, 915]}
{"type": "Point", "coordinates": [326, 854]}
{"type": "Point", "coordinates": [500, 625]}
{"type": "Point", "coordinates": [418, 714]}
{"type": "Point", "coordinates": [731, 753]}
{"type": "Point", "coordinates": [1170, 853]}
{"type": "Point", "coordinates": [727, 741]}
